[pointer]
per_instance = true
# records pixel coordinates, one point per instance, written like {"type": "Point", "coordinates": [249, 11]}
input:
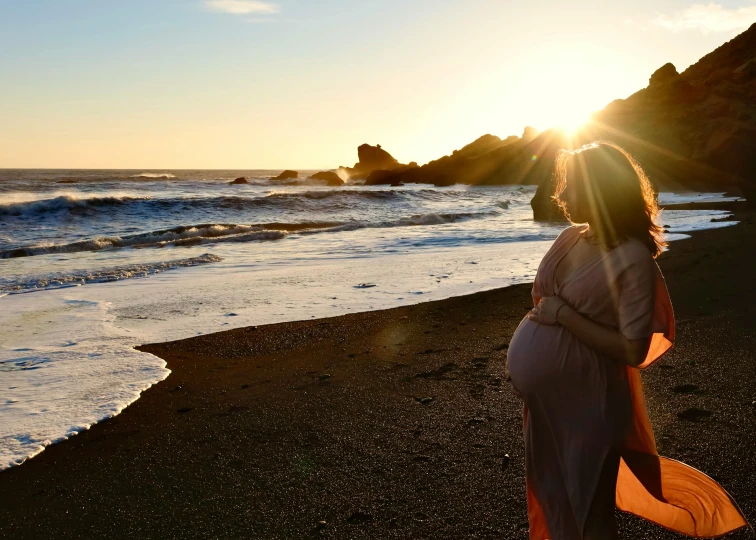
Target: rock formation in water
{"type": "Point", "coordinates": [371, 158]}
{"type": "Point", "coordinates": [287, 175]}
{"type": "Point", "coordinates": [240, 180]}
{"type": "Point", "coordinates": [330, 177]}
{"type": "Point", "coordinates": [384, 176]}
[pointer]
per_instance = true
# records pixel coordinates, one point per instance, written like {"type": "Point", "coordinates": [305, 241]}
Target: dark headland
{"type": "Point", "coordinates": [385, 424]}
{"type": "Point", "coordinates": [693, 130]}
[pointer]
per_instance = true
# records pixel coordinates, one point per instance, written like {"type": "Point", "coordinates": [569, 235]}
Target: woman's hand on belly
{"type": "Point", "coordinates": [547, 310]}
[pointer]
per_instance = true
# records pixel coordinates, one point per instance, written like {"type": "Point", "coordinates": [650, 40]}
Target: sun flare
{"type": "Point", "coordinates": [570, 123]}
{"type": "Point", "coordinates": [565, 86]}
{"type": "Point", "coordinates": [567, 109]}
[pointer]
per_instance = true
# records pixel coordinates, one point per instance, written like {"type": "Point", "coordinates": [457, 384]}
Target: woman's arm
{"type": "Point", "coordinates": [604, 339]}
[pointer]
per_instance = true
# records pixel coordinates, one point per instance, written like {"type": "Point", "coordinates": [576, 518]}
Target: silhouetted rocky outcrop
{"type": "Point", "coordinates": [371, 158]}
{"type": "Point", "coordinates": [529, 133]}
{"type": "Point", "coordinates": [240, 180]}
{"type": "Point", "coordinates": [287, 175]}
{"type": "Point", "coordinates": [487, 160]}
{"type": "Point", "coordinates": [664, 75]}
{"type": "Point", "coordinates": [383, 176]}
{"type": "Point", "coordinates": [330, 177]}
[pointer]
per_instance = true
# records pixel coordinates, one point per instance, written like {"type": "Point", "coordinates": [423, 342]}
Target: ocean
{"type": "Point", "coordinates": [93, 263]}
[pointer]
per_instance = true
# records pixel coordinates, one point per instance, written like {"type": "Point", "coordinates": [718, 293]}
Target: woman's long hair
{"type": "Point", "coordinates": [613, 190]}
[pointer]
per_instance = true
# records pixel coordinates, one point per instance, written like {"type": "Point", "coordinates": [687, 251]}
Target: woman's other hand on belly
{"type": "Point", "coordinates": [508, 379]}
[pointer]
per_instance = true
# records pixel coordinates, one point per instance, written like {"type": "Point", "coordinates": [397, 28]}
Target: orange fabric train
{"type": "Point", "coordinates": [662, 490]}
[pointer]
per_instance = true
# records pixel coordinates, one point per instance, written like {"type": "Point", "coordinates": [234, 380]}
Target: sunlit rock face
{"type": "Point", "coordinates": [664, 75]}
{"type": "Point", "coordinates": [692, 130]}
{"type": "Point", "coordinates": [529, 134]}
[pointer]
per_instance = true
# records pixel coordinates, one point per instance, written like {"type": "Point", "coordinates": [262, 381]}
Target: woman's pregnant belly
{"type": "Point", "coordinates": [539, 359]}
{"type": "Point", "coordinates": [556, 372]}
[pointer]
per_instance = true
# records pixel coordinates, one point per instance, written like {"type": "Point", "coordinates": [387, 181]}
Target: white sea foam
{"type": "Point", "coordinates": [666, 197]}
{"type": "Point", "coordinates": [682, 221]}
{"type": "Point", "coordinates": [65, 365]}
{"type": "Point", "coordinates": [155, 176]}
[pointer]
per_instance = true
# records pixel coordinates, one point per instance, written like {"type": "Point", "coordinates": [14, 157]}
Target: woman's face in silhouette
{"type": "Point", "coordinates": [573, 200]}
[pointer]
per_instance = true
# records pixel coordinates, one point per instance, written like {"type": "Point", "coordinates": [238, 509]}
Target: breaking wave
{"type": "Point", "coordinates": [184, 235]}
{"type": "Point", "coordinates": [82, 277]}
{"type": "Point", "coordinates": [307, 200]}
{"type": "Point", "coordinates": [155, 176]}
{"type": "Point", "coordinates": [62, 202]}
{"type": "Point", "coordinates": [192, 235]}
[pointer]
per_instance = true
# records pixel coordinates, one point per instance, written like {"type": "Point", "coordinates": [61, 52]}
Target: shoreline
{"type": "Point", "coordinates": [266, 431]}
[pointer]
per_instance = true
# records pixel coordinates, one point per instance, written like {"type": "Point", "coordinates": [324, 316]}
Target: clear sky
{"type": "Point", "coordinates": [301, 83]}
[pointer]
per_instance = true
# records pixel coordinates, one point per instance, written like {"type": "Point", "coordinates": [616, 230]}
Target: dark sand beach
{"type": "Point", "coordinates": [387, 424]}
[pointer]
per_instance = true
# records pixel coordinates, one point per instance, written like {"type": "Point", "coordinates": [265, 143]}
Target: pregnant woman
{"type": "Point", "coordinates": [601, 312]}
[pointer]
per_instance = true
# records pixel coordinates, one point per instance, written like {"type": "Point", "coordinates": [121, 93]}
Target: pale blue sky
{"type": "Point", "coordinates": [291, 83]}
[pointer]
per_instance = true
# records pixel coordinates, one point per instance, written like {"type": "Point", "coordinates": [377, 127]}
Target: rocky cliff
{"type": "Point", "coordinates": [695, 129]}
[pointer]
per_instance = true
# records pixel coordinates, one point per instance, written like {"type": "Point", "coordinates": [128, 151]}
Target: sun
{"type": "Point", "coordinates": [570, 123]}
{"type": "Point", "coordinates": [564, 108]}
{"type": "Point", "coordinates": [563, 86]}
{"type": "Point", "coordinates": [566, 113]}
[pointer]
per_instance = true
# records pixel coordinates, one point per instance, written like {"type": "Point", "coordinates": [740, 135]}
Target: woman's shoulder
{"type": "Point", "coordinates": [571, 232]}
{"type": "Point", "coordinates": [633, 252]}
{"type": "Point", "coordinates": [636, 247]}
